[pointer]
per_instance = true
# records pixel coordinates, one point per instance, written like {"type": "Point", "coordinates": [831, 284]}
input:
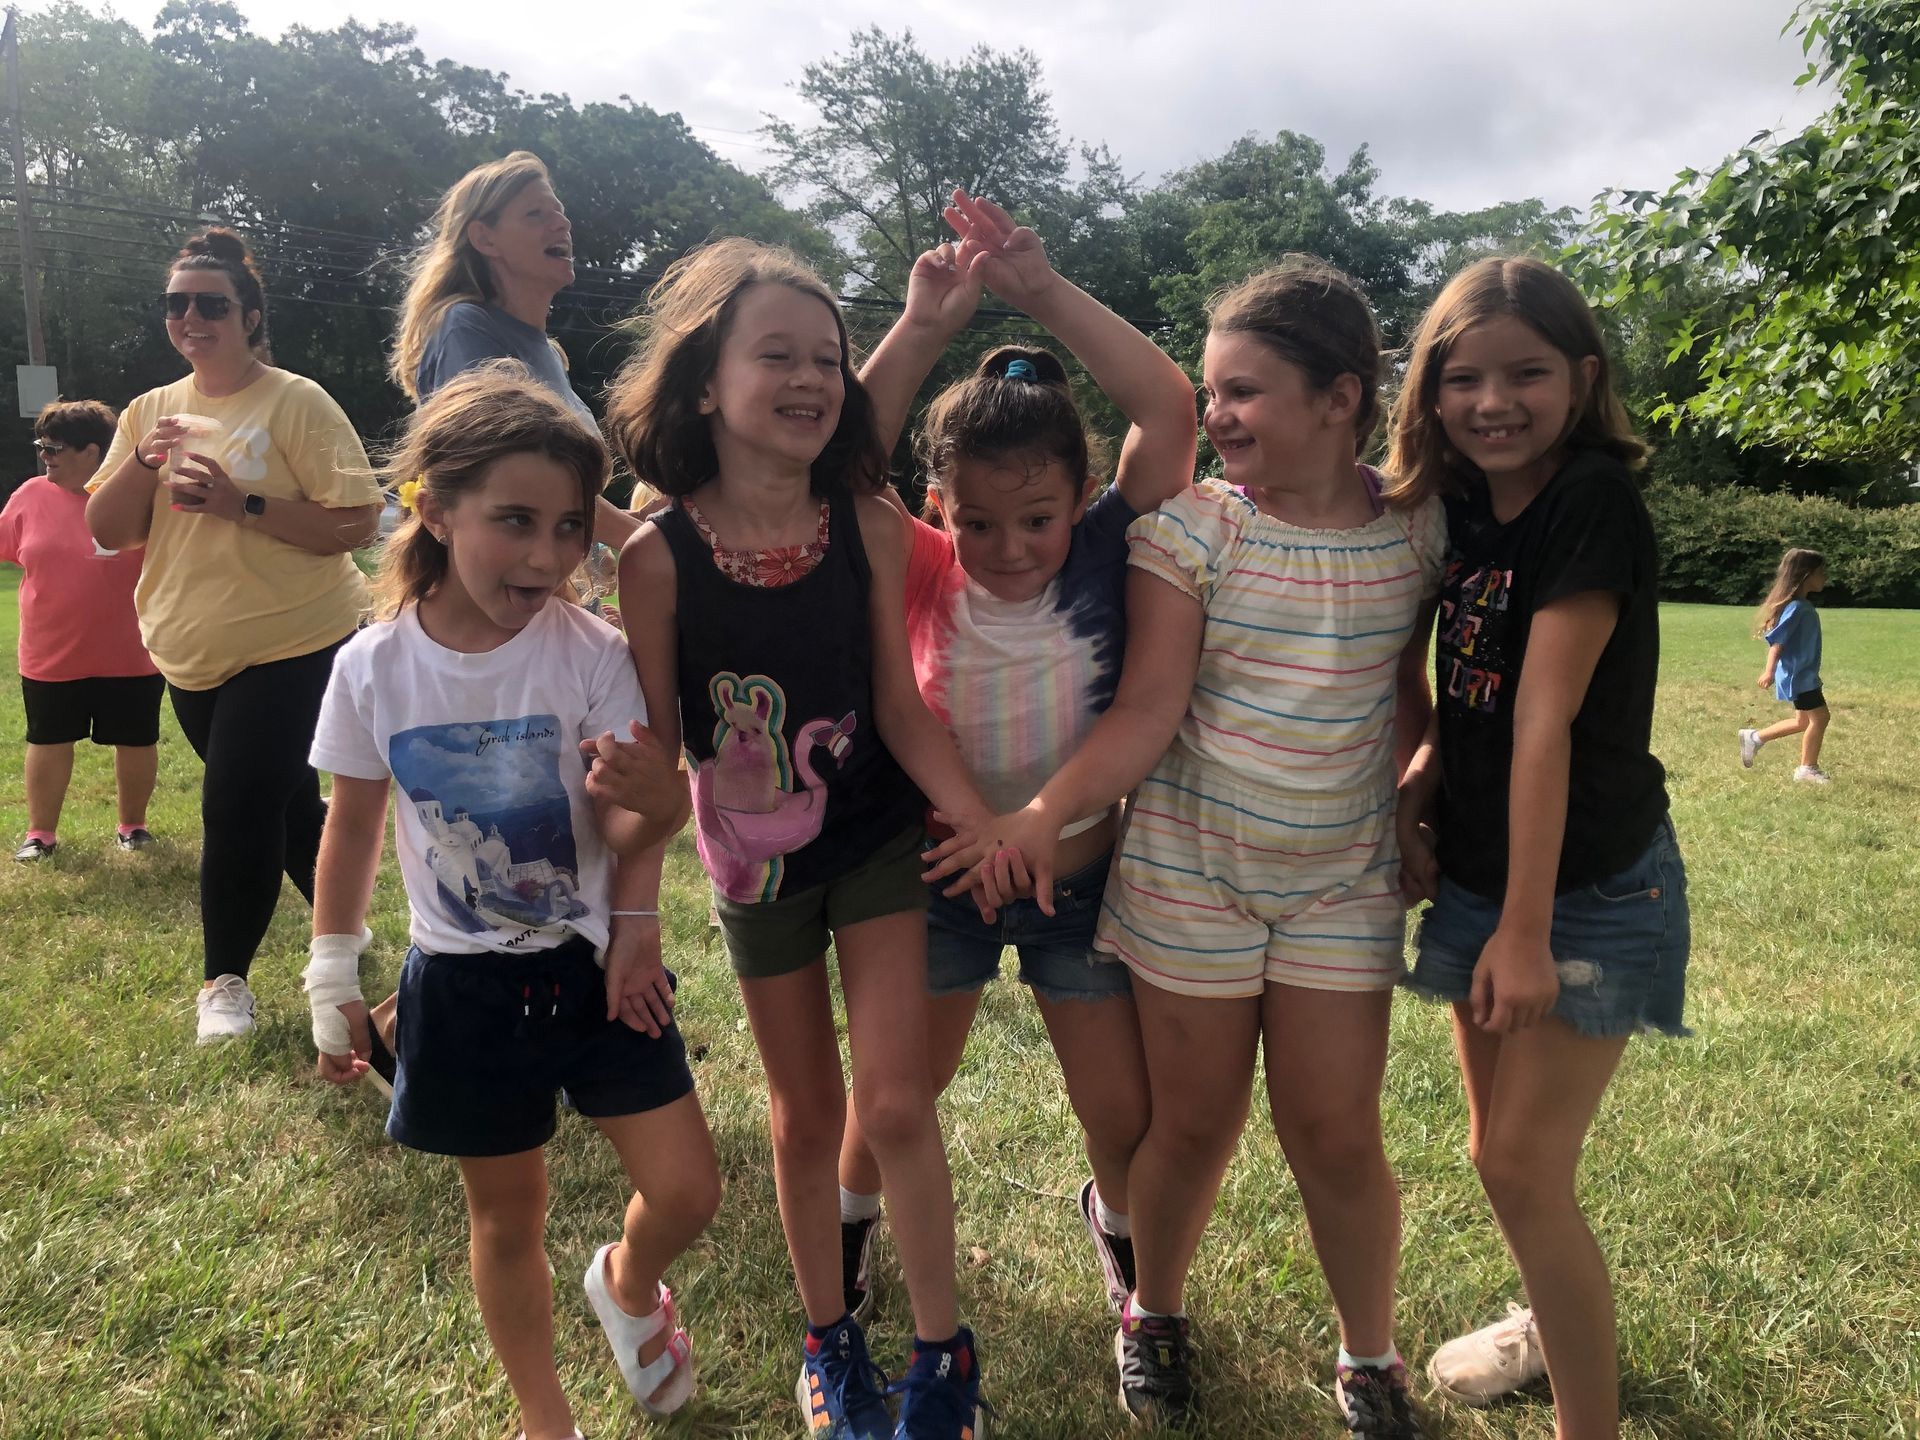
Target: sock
{"type": "Point", "coordinates": [1140, 1312]}
{"type": "Point", "coordinates": [1371, 1362]}
{"type": "Point", "coordinates": [855, 1206]}
{"type": "Point", "coordinates": [817, 1333]}
{"type": "Point", "coordinates": [126, 830]}
{"type": "Point", "coordinates": [1114, 1222]}
{"type": "Point", "coordinates": [45, 837]}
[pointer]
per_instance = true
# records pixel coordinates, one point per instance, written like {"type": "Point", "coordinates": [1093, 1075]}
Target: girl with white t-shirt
{"type": "Point", "coordinates": [536, 958]}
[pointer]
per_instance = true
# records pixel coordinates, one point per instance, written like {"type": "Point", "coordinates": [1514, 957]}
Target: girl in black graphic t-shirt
{"type": "Point", "coordinates": [1559, 918]}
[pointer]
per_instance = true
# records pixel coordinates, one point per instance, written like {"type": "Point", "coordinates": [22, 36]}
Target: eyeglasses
{"type": "Point", "coordinates": [210, 306]}
{"type": "Point", "coordinates": [49, 447]}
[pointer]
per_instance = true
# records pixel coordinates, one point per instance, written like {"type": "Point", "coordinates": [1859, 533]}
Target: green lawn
{"type": "Point", "coordinates": [211, 1242]}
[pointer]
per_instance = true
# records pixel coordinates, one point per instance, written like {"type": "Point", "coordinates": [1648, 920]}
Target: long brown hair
{"type": "Point", "coordinates": [1796, 566]}
{"type": "Point", "coordinates": [1027, 416]}
{"type": "Point", "coordinates": [494, 410]}
{"type": "Point", "coordinates": [653, 405]}
{"type": "Point", "coordinates": [1312, 315]}
{"type": "Point", "coordinates": [1420, 462]}
{"type": "Point", "coordinates": [220, 249]}
{"type": "Point", "coordinates": [447, 269]}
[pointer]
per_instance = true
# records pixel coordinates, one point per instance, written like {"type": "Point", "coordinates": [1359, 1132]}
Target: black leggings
{"type": "Point", "coordinates": [260, 806]}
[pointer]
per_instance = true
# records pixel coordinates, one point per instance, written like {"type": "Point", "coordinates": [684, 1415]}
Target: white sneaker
{"type": "Point", "coordinates": [1496, 1360]}
{"type": "Point", "coordinates": [226, 1010]}
{"type": "Point", "coordinates": [1812, 775]}
{"type": "Point", "coordinates": [1749, 747]}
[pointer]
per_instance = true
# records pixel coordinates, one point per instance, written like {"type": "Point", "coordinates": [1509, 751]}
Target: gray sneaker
{"type": "Point", "coordinates": [1749, 746]}
{"type": "Point", "coordinates": [226, 1010]}
{"type": "Point", "coordinates": [1811, 775]}
{"type": "Point", "coordinates": [1493, 1361]}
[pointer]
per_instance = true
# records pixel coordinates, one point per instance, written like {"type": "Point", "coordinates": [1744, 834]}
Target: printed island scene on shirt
{"type": "Point", "coordinates": [498, 822]}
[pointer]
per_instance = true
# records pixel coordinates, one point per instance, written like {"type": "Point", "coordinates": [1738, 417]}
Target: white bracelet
{"type": "Point", "coordinates": [649, 914]}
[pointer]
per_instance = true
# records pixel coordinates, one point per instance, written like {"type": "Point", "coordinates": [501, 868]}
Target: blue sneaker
{"type": "Point", "coordinates": [940, 1393]}
{"type": "Point", "coordinates": [840, 1390]}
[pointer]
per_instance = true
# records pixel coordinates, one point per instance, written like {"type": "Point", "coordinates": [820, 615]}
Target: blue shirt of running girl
{"type": "Point", "coordinates": [1797, 633]}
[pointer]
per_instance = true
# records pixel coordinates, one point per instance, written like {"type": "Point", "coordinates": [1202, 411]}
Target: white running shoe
{"type": "Point", "coordinates": [1812, 775]}
{"type": "Point", "coordinates": [1493, 1361]}
{"type": "Point", "coordinates": [226, 1010]}
{"type": "Point", "coordinates": [1749, 746]}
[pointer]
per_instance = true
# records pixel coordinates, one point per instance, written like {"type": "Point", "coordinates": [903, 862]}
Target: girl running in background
{"type": "Point", "coordinates": [534, 898]}
{"type": "Point", "coordinates": [1559, 918]}
{"type": "Point", "coordinates": [1790, 625]}
{"type": "Point", "coordinates": [1015, 612]}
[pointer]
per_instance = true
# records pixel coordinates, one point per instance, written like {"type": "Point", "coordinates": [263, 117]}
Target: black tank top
{"type": "Point", "coordinates": [791, 784]}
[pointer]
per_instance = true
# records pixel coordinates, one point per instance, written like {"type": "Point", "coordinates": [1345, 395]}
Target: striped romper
{"type": "Point", "coordinates": [1262, 849]}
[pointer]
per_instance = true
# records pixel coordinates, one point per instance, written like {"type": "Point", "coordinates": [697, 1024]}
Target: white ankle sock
{"type": "Point", "coordinates": [1140, 1312]}
{"type": "Point", "coordinates": [854, 1206]}
{"type": "Point", "coordinates": [1371, 1362]}
{"type": "Point", "coordinates": [1114, 1222]}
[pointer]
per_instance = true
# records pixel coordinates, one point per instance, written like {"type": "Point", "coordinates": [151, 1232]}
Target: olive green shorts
{"type": "Point", "coordinates": [777, 937]}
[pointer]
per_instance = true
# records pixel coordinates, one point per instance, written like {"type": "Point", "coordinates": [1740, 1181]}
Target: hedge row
{"type": "Point", "coordinates": [1721, 546]}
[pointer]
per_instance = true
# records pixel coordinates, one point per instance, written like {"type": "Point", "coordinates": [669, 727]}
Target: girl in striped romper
{"type": "Point", "coordinates": [1276, 643]}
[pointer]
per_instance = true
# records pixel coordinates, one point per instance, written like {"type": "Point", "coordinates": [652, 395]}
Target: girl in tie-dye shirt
{"type": "Point", "coordinates": [1015, 614]}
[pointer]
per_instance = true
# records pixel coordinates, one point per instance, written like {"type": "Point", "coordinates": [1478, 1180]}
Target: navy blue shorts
{"type": "Point", "coordinates": [1057, 957]}
{"type": "Point", "coordinates": [1620, 945]}
{"type": "Point", "coordinates": [484, 1042]}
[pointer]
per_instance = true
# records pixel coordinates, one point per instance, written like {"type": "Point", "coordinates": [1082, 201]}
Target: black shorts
{"type": "Point", "coordinates": [1810, 700]}
{"type": "Point", "coordinates": [484, 1041]}
{"type": "Point", "coordinates": [109, 709]}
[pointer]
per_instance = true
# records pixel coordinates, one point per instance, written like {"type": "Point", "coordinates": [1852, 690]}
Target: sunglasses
{"type": "Point", "coordinates": [210, 306]}
{"type": "Point", "coordinates": [49, 447]}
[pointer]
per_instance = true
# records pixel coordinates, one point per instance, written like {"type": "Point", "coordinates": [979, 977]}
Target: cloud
{"type": "Point", "coordinates": [1463, 104]}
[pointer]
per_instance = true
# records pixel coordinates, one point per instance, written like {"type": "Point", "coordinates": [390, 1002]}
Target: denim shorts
{"type": "Point", "coordinates": [1057, 957]}
{"type": "Point", "coordinates": [1620, 945]}
{"type": "Point", "coordinates": [484, 1041]}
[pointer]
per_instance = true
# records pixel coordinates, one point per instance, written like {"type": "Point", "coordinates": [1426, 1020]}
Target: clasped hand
{"type": "Point", "coordinates": [637, 775]}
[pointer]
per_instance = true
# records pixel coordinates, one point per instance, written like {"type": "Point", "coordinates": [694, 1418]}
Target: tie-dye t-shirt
{"type": "Point", "coordinates": [1020, 683]}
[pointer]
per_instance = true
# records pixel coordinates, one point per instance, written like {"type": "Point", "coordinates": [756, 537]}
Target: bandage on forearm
{"type": "Point", "coordinates": [333, 979]}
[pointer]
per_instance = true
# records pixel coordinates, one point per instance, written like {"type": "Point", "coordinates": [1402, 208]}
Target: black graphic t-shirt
{"type": "Point", "coordinates": [1587, 530]}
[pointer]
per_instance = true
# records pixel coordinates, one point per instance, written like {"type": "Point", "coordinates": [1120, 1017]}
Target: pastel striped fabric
{"type": "Point", "coordinates": [1304, 629]}
{"type": "Point", "coordinates": [1262, 849]}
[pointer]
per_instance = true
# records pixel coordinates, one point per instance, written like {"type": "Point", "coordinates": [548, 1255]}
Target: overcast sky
{"type": "Point", "coordinates": [1464, 102]}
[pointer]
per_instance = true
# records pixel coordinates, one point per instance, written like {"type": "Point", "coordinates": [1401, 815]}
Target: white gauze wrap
{"type": "Point", "coordinates": [333, 979]}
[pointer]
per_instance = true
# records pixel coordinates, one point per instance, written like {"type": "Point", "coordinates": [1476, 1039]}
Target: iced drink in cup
{"type": "Point", "coordinates": [200, 435]}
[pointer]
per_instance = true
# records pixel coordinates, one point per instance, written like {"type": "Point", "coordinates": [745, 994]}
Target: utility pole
{"type": "Point", "coordinates": [22, 206]}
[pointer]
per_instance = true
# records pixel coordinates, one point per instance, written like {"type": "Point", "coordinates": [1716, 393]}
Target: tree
{"type": "Point", "coordinates": [1790, 274]}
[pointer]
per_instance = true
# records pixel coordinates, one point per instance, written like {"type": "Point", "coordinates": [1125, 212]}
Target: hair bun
{"type": "Point", "coordinates": [220, 243]}
{"type": "Point", "coordinates": [1035, 366]}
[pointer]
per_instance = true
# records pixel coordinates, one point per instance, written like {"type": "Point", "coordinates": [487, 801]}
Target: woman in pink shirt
{"type": "Point", "coordinates": [83, 672]}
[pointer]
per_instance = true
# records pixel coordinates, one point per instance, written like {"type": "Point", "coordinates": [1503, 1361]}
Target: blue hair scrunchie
{"type": "Point", "coordinates": [1020, 370]}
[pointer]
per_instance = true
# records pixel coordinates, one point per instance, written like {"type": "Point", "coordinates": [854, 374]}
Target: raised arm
{"type": "Point", "coordinates": [942, 293]}
{"type": "Point", "coordinates": [1156, 460]}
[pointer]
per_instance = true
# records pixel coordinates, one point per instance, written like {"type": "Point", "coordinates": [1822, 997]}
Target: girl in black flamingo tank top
{"type": "Point", "coordinates": [766, 614]}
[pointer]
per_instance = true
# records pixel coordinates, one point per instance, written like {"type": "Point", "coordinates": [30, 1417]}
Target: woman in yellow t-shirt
{"type": "Point", "coordinates": [248, 488]}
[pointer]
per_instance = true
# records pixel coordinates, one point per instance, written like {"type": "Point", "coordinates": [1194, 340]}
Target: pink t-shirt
{"type": "Point", "coordinates": [76, 600]}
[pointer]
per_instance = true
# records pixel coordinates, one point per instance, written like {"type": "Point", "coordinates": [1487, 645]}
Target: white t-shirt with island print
{"type": "Point", "coordinates": [496, 835]}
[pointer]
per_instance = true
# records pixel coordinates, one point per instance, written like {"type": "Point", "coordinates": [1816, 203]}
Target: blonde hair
{"type": "Point", "coordinates": [1796, 567]}
{"type": "Point", "coordinates": [1420, 462]}
{"type": "Point", "coordinates": [447, 269]}
{"type": "Point", "coordinates": [653, 405]}
{"type": "Point", "coordinates": [492, 411]}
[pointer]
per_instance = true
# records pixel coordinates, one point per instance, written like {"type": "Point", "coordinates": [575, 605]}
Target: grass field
{"type": "Point", "coordinates": [212, 1243]}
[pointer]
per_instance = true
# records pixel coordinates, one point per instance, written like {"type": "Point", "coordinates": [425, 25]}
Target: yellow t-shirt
{"type": "Point", "coordinates": [215, 597]}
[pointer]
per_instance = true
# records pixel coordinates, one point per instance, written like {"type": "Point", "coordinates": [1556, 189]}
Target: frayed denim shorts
{"type": "Point", "coordinates": [1619, 944]}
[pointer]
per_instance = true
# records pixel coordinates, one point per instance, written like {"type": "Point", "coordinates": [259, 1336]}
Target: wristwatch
{"type": "Point", "coordinates": [255, 506]}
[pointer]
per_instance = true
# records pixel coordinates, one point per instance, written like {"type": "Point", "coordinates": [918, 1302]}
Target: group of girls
{"type": "Point", "coordinates": [1244, 656]}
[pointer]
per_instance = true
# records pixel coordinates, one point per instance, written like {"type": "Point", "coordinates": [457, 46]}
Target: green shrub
{"type": "Point", "coordinates": [1721, 546]}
